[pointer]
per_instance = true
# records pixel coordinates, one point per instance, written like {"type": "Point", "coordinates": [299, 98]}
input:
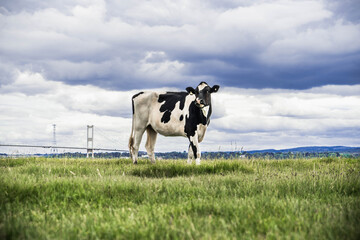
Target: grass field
{"type": "Point", "coordinates": [221, 199]}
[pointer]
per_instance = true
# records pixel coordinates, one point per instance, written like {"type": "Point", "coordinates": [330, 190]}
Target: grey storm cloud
{"type": "Point", "coordinates": [150, 44]}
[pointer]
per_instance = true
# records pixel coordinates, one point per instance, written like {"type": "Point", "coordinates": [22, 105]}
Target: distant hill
{"type": "Point", "coordinates": [312, 149]}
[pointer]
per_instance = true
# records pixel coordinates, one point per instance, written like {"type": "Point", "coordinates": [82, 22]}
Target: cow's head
{"type": "Point", "coordinates": [203, 94]}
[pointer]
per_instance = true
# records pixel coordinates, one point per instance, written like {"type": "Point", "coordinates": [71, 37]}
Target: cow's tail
{"type": "Point", "coordinates": [131, 139]}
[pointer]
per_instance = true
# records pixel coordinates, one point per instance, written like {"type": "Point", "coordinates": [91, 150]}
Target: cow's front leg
{"type": "Point", "coordinates": [190, 155]}
{"type": "Point", "coordinates": [194, 144]}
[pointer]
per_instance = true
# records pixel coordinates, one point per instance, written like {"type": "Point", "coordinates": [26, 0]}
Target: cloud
{"type": "Point", "coordinates": [31, 104]}
{"type": "Point", "coordinates": [288, 70]}
{"type": "Point", "coordinates": [278, 44]}
{"type": "Point", "coordinates": [347, 9]}
{"type": "Point", "coordinates": [271, 19]}
{"type": "Point", "coordinates": [82, 98]}
{"type": "Point", "coordinates": [338, 39]}
{"type": "Point", "coordinates": [323, 115]}
{"type": "Point", "coordinates": [253, 118]}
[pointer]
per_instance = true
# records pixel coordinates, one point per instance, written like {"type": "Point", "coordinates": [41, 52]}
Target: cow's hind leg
{"type": "Point", "coordinates": [136, 144]}
{"type": "Point", "coordinates": [150, 142]}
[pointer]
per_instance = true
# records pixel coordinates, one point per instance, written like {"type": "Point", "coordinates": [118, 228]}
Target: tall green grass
{"type": "Point", "coordinates": [220, 199]}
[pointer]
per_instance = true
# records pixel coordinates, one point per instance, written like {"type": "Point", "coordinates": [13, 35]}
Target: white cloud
{"type": "Point", "coordinates": [289, 118]}
{"type": "Point", "coordinates": [32, 104]}
{"type": "Point", "coordinates": [269, 18]}
{"type": "Point", "coordinates": [156, 65]}
{"type": "Point", "coordinates": [255, 119]}
{"type": "Point", "coordinates": [337, 39]}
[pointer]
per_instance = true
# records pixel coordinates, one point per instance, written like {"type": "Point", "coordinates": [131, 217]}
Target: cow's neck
{"type": "Point", "coordinates": [204, 114]}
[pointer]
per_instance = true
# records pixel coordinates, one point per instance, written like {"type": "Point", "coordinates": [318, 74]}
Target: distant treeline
{"type": "Point", "coordinates": [212, 155]}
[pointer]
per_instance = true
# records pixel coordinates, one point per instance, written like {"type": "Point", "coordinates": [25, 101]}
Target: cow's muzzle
{"type": "Point", "coordinates": [200, 103]}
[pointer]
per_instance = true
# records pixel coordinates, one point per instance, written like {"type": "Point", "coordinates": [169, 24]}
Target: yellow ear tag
{"type": "Point", "coordinates": [191, 93]}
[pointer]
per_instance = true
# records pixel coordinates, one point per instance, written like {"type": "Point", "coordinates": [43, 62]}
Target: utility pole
{"type": "Point", "coordinates": [90, 141]}
{"type": "Point", "coordinates": [54, 149]}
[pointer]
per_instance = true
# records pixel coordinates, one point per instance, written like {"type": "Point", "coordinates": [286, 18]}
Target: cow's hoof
{"type": "Point", "coordinates": [197, 161]}
{"type": "Point", "coordinates": [135, 162]}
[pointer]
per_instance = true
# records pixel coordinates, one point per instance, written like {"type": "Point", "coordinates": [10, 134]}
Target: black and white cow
{"type": "Point", "coordinates": [184, 114]}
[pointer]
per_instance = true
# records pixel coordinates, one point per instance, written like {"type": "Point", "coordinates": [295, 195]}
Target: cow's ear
{"type": "Point", "coordinates": [190, 90]}
{"type": "Point", "coordinates": [215, 88]}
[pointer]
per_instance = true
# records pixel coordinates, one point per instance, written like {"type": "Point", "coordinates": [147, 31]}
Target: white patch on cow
{"type": "Point", "coordinates": [202, 86]}
{"type": "Point", "coordinates": [201, 129]}
{"type": "Point", "coordinates": [205, 110]}
{"type": "Point", "coordinates": [194, 139]}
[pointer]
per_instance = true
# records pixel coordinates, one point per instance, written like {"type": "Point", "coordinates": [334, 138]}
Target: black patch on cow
{"type": "Point", "coordinates": [136, 95]}
{"type": "Point", "coordinates": [194, 118]}
{"type": "Point", "coordinates": [181, 117]}
{"type": "Point", "coordinates": [170, 99]}
{"type": "Point", "coordinates": [166, 117]}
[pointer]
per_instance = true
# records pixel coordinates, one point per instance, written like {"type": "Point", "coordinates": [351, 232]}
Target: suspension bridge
{"type": "Point", "coordinates": [89, 148]}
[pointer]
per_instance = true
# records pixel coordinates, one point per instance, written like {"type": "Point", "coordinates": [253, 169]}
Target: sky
{"type": "Point", "coordinates": [289, 71]}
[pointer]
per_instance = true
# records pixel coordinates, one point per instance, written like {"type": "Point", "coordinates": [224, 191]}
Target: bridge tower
{"type": "Point", "coordinates": [90, 141]}
{"type": "Point", "coordinates": [54, 149]}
